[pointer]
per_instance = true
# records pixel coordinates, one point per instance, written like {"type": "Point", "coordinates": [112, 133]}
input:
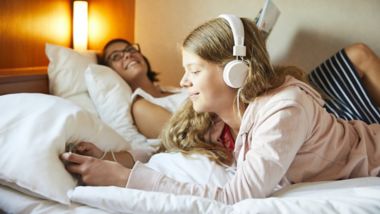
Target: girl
{"type": "Point", "coordinates": [280, 132]}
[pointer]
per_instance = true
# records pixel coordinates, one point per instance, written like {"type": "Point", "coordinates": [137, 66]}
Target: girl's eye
{"type": "Point", "coordinates": [195, 72]}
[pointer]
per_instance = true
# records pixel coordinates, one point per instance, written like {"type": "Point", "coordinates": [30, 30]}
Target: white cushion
{"type": "Point", "coordinates": [66, 74]}
{"type": "Point", "coordinates": [112, 98]}
{"type": "Point", "coordinates": [33, 131]}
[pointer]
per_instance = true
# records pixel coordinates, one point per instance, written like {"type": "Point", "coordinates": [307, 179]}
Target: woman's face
{"type": "Point", "coordinates": [126, 60]}
{"type": "Point", "coordinates": [204, 82]}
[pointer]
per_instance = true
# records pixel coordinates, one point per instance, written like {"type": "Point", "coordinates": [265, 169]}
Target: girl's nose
{"type": "Point", "coordinates": [185, 82]}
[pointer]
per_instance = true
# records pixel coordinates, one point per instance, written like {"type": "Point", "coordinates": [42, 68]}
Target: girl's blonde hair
{"type": "Point", "coordinates": [213, 41]}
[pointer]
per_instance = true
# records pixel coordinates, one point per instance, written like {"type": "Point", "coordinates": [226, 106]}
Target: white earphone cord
{"type": "Point", "coordinates": [238, 101]}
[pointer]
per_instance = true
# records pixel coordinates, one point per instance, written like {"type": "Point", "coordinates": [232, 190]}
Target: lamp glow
{"type": "Point", "coordinates": [80, 25]}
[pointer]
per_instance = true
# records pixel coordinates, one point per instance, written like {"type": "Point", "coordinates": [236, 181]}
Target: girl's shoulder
{"type": "Point", "coordinates": [292, 93]}
{"type": "Point", "coordinates": [291, 90]}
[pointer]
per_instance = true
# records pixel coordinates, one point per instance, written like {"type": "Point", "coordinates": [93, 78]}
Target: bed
{"type": "Point", "coordinates": [73, 99]}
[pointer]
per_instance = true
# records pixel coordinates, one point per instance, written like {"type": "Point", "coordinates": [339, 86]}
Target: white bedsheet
{"type": "Point", "coordinates": [347, 196]}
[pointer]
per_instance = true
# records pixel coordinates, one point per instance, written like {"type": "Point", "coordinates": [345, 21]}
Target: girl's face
{"type": "Point", "coordinates": [204, 82]}
{"type": "Point", "coordinates": [126, 60]}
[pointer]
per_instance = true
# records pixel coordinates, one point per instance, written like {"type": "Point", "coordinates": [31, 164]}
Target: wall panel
{"type": "Point", "coordinates": [306, 33]}
{"type": "Point", "coordinates": [110, 19]}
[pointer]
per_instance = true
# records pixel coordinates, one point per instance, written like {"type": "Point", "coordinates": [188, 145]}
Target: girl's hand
{"type": "Point", "coordinates": [88, 149]}
{"type": "Point", "coordinates": [96, 172]}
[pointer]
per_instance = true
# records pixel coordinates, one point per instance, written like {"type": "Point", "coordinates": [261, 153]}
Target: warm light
{"type": "Point", "coordinates": [80, 25]}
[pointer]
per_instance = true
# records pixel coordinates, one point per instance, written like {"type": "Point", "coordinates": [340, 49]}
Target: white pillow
{"type": "Point", "coordinates": [112, 98]}
{"type": "Point", "coordinates": [66, 74]}
{"type": "Point", "coordinates": [33, 131]}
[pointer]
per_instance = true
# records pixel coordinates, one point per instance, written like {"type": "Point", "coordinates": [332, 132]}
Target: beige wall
{"type": "Point", "coordinates": [307, 32]}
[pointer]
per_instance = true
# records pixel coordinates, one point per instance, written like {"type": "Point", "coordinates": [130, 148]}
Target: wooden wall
{"type": "Point", "coordinates": [25, 27]}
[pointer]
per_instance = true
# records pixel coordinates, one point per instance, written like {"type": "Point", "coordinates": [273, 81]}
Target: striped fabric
{"type": "Point", "coordinates": [347, 97]}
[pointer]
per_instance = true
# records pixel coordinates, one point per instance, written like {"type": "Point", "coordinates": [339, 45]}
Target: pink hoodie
{"type": "Point", "coordinates": [286, 137]}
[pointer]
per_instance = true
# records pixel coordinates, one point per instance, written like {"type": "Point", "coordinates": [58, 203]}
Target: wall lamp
{"type": "Point", "coordinates": [80, 24]}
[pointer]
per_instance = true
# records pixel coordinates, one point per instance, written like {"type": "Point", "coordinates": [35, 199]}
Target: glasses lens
{"type": "Point", "coordinates": [118, 55]}
{"type": "Point", "coordinates": [132, 49]}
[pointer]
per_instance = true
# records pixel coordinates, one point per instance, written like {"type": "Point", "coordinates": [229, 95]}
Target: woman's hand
{"type": "Point", "coordinates": [96, 172]}
{"type": "Point", "coordinates": [88, 149]}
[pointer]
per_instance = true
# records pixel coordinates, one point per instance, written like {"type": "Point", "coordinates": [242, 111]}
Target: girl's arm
{"type": "Point", "coordinates": [96, 172]}
{"type": "Point", "coordinates": [89, 149]}
{"type": "Point", "coordinates": [272, 147]}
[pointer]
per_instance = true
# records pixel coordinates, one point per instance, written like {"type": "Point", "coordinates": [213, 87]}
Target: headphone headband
{"type": "Point", "coordinates": [237, 29]}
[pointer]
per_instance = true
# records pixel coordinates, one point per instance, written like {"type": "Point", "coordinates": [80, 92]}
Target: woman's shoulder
{"type": "Point", "coordinates": [171, 89]}
{"type": "Point", "coordinates": [171, 102]}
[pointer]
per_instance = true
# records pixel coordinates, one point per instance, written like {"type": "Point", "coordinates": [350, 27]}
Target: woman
{"type": "Point", "coordinates": [282, 134]}
{"type": "Point", "coordinates": [152, 105]}
{"type": "Point", "coordinates": [128, 61]}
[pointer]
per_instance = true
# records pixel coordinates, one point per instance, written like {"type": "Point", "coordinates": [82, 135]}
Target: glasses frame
{"type": "Point", "coordinates": [131, 48]}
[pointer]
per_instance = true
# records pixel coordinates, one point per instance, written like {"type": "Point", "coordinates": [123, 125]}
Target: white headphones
{"type": "Point", "coordinates": [236, 71]}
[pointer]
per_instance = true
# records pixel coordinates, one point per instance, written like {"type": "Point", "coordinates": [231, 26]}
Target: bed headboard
{"type": "Point", "coordinates": [21, 80]}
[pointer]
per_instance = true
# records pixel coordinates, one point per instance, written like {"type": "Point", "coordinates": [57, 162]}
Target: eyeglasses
{"type": "Point", "coordinates": [116, 56]}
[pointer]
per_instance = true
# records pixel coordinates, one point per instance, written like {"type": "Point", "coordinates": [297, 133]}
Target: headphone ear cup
{"type": "Point", "coordinates": [234, 73]}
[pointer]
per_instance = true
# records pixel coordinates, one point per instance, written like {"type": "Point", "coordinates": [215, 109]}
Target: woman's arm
{"type": "Point", "coordinates": [149, 118]}
{"type": "Point", "coordinates": [272, 148]}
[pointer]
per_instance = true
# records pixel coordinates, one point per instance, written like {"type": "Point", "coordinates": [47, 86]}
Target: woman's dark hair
{"type": "Point", "coordinates": [152, 75]}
